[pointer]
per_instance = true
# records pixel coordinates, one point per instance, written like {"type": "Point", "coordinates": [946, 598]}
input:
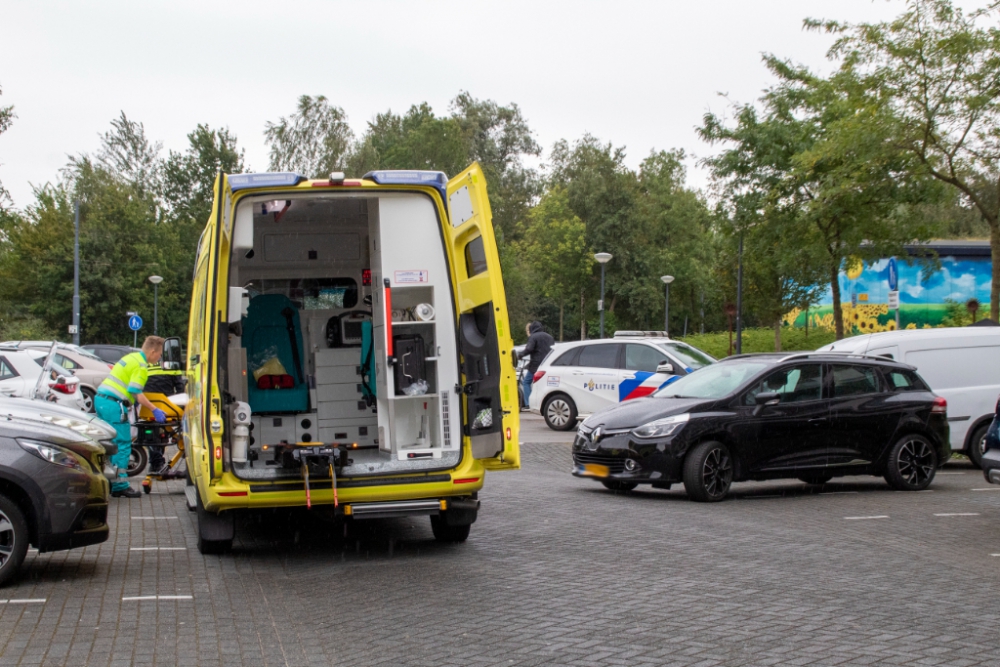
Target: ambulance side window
{"type": "Point", "coordinates": [475, 256]}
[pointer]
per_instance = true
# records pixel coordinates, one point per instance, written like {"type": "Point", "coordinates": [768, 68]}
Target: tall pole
{"type": "Point", "coordinates": [739, 300]}
{"type": "Point", "coordinates": [601, 304]}
{"type": "Point", "coordinates": [156, 327]}
{"type": "Point", "coordinates": [76, 272]}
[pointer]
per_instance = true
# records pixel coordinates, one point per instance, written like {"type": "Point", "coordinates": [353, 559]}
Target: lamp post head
{"type": "Point", "coordinates": [603, 257]}
{"type": "Point", "coordinates": [667, 279]}
{"type": "Point", "coordinates": [156, 280]}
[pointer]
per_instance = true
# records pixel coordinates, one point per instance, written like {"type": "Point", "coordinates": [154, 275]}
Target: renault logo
{"type": "Point", "coordinates": [595, 436]}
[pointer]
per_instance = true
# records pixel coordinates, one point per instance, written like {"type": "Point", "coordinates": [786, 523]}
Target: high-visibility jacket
{"type": "Point", "coordinates": [127, 378]}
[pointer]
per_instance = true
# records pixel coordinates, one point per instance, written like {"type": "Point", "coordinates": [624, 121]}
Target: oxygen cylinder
{"type": "Point", "coordinates": [240, 436]}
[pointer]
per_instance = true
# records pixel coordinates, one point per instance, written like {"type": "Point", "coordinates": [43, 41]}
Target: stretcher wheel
{"type": "Point", "coordinates": [147, 485]}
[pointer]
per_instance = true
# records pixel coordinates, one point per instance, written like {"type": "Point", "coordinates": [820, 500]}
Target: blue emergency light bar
{"type": "Point", "coordinates": [268, 180]}
{"type": "Point", "coordinates": [435, 179]}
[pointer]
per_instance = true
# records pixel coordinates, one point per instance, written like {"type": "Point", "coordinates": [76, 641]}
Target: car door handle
{"type": "Point", "coordinates": [818, 421]}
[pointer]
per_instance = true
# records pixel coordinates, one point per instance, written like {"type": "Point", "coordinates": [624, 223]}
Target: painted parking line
{"type": "Point", "coordinates": [995, 555]}
{"type": "Point", "coordinates": [952, 473]}
{"type": "Point", "coordinates": [865, 518]}
{"type": "Point", "coordinates": [144, 598]}
{"type": "Point", "coordinates": [995, 488]}
{"type": "Point", "coordinates": [24, 601]}
{"type": "Point", "coordinates": [158, 549]}
{"type": "Point", "coordinates": [835, 493]}
{"type": "Point", "coordinates": [958, 514]}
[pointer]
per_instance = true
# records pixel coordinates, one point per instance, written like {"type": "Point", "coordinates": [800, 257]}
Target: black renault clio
{"type": "Point", "coordinates": [809, 416]}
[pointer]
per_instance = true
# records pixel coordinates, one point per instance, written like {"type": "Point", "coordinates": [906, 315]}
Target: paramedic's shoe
{"type": "Point", "coordinates": [126, 493]}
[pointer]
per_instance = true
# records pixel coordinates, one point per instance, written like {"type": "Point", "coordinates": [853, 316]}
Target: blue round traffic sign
{"type": "Point", "coordinates": [893, 274]}
{"type": "Point", "coordinates": [134, 322]}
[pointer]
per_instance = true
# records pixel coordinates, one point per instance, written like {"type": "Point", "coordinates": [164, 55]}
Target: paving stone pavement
{"type": "Point", "coordinates": [557, 571]}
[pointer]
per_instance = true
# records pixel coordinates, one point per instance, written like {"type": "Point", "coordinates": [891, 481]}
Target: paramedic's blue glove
{"type": "Point", "coordinates": [159, 415]}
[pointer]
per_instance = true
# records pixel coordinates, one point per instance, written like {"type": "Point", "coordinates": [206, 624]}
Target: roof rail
{"type": "Point", "coordinates": [833, 353]}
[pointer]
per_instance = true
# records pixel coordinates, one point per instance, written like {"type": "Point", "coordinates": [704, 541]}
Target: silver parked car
{"type": "Point", "coordinates": [87, 366]}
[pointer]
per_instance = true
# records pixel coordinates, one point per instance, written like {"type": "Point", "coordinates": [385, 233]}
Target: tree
{"type": "Point", "coordinates": [6, 119]}
{"type": "Point", "coordinates": [939, 69]}
{"type": "Point", "coordinates": [189, 177]}
{"type": "Point", "coordinates": [127, 152]}
{"type": "Point", "coordinates": [817, 160]}
{"type": "Point", "coordinates": [554, 245]}
{"type": "Point", "coordinates": [313, 141]}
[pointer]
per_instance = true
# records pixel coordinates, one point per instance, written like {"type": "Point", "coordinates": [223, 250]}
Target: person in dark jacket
{"type": "Point", "coordinates": [539, 345]}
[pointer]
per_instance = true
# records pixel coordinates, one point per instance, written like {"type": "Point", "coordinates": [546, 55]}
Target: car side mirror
{"type": "Point", "coordinates": [173, 357]}
{"type": "Point", "coordinates": [765, 398]}
{"type": "Point", "coordinates": [665, 367]}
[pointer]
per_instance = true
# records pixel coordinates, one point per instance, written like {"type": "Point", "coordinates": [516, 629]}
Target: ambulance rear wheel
{"type": "Point", "coordinates": [215, 531]}
{"type": "Point", "coordinates": [449, 534]}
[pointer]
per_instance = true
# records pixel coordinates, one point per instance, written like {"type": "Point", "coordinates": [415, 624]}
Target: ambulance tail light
{"type": "Point", "coordinates": [538, 376]}
{"type": "Point", "coordinates": [63, 388]}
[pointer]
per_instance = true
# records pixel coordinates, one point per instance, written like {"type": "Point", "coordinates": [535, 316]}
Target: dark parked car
{"type": "Point", "coordinates": [109, 353]}
{"type": "Point", "coordinates": [991, 449]}
{"type": "Point", "coordinates": [811, 416]}
{"type": "Point", "coordinates": [53, 493]}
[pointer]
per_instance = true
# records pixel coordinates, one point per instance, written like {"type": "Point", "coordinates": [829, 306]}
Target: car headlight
{"type": "Point", "coordinates": [51, 453]}
{"type": "Point", "coordinates": [662, 427]}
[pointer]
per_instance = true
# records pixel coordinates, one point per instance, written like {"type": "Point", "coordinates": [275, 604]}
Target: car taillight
{"type": "Point", "coordinates": [63, 388]}
{"type": "Point", "coordinates": [940, 406]}
{"type": "Point", "coordinates": [538, 376]}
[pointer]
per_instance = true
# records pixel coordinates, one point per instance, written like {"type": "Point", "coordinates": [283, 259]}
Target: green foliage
{"type": "Point", "coordinates": [313, 141]}
{"type": "Point", "coordinates": [140, 216]}
{"type": "Point", "coordinates": [6, 119]}
{"type": "Point", "coordinates": [939, 70]}
{"type": "Point", "coordinates": [816, 164]}
{"type": "Point", "coordinates": [554, 248]}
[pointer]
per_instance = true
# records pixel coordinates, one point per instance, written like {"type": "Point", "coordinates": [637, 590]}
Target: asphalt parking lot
{"type": "Point", "coordinates": [557, 571]}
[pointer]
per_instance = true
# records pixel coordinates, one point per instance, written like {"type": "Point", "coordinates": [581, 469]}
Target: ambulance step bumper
{"type": "Point", "coordinates": [391, 509]}
{"type": "Point", "coordinates": [191, 496]}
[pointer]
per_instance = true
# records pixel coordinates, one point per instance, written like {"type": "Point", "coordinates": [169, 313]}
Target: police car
{"type": "Point", "coordinates": [578, 379]}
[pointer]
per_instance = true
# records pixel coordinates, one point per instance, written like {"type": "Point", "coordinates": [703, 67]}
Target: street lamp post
{"type": "Point", "coordinates": [739, 300]}
{"type": "Point", "coordinates": [603, 258]}
{"type": "Point", "coordinates": [666, 309]}
{"type": "Point", "coordinates": [156, 280]}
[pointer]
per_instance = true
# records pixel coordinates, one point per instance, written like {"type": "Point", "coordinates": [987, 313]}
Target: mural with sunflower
{"type": "Point", "coordinates": [924, 295]}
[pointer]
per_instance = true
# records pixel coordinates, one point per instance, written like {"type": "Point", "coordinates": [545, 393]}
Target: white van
{"type": "Point", "coordinates": [960, 364]}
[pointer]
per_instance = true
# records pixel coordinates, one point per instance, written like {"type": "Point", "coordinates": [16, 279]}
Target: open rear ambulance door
{"type": "Point", "coordinates": [490, 414]}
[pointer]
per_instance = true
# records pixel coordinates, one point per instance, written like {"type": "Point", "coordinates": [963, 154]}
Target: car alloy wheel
{"type": "Point", "coordinates": [717, 472]}
{"type": "Point", "coordinates": [559, 413]}
{"type": "Point", "coordinates": [88, 400]}
{"type": "Point", "coordinates": [13, 539]}
{"type": "Point", "coordinates": [912, 464]}
{"type": "Point", "coordinates": [708, 472]}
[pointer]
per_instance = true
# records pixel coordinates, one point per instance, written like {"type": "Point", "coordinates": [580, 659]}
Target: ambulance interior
{"type": "Point", "coordinates": [305, 347]}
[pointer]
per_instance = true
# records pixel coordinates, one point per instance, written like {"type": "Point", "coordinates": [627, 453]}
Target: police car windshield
{"type": "Point", "coordinates": [689, 356]}
{"type": "Point", "coordinates": [714, 381]}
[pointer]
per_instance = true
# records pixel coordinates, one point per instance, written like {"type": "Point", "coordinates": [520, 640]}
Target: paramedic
{"type": "Point", "coordinates": [122, 388]}
{"type": "Point", "coordinates": [539, 345]}
{"type": "Point", "coordinates": [167, 383]}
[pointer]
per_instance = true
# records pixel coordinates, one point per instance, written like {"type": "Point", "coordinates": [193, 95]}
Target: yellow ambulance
{"type": "Point", "coordinates": [349, 348]}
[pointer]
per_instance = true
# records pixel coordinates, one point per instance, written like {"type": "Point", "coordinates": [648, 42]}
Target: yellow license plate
{"type": "Point", "coordinates": [592, 470]}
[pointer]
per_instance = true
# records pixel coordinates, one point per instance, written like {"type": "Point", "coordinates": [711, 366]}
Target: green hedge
{"type": "Point", "coordinates": [761, 340]}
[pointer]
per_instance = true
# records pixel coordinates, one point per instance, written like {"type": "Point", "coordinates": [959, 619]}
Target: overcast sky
{"type": "Point", "coordinates": [639, 74]}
